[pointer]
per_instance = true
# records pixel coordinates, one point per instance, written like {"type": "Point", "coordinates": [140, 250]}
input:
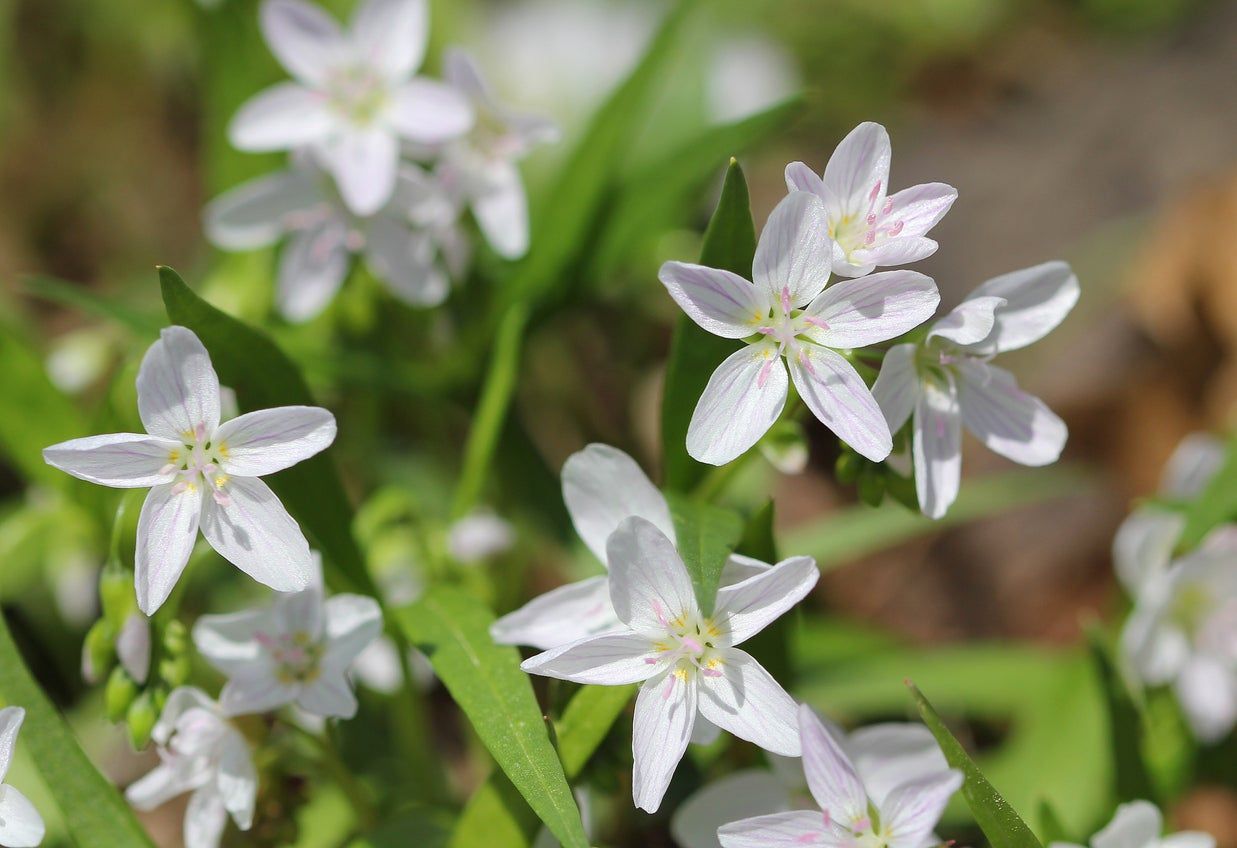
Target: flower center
{"type": "Point", "coordinates": [784, 326]}
{"type": "Point", "coordinates": [691, 645]}
{"type": "Point", "coordinates": [358, 95]}
{"type": "Point", "coordinates": [199, 462]}
{"type": "Point", "coordinates": [296, 655]}
{"type": "Point", "coordinates": [862, 231]}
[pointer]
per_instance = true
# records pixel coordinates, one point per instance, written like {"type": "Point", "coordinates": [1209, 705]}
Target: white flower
{"type": "Point", "coordinates": [298, 650]}
{"type": "Point", "coordinates": [478, 536]}
{"type": "Point", "coordinates": [355, 95]}
{"type": "Point", "coordinates": [1183, 632]}
{"type": "Point", "coordinates": [1139, 825]}
{"type": "Point", "coordinates": [21, 826]}
{"type": "Point", "coordinates": [905, 814]}
{"type": "Point", "coordinates": [789, 313]}
{"type": "Point", "coordinates": [325, 234]}
{"type": "Point", "coordinates": [200, 752]}
{"type": "Point", "coordinates": [946, 380]}
{"type": "Point", "coordinates": [686, 660]}
{"type": "Point", "coordinates": [202, 474]}
{"type": "Point", "coordinates": [870, 227]}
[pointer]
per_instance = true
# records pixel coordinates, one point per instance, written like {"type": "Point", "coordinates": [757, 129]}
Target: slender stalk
{"type": "Point", "coordinates": [328, 757]}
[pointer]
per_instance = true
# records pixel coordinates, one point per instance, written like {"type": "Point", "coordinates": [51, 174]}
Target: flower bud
{"type": "Point", "coordinates": [141, 719]}
{"type": "Point", "coordinates": [98, 651]}
{"type": "Point", "coordinates": [174, 671]}
{"type": "Point", "coordinates": [175, 638]}
{"type": "Point", "coordinates": [119, 694]}
{"type": "Point", "coordinates": [847, 467]}
{"type": "Point", "coordinates": [116, 594]}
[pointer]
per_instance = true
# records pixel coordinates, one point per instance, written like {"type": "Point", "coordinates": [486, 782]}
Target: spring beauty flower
{"type": "Point", "coordinates": [324, 235]}
{"type": "Point", "coordinates": [886, 756]}
{"type": "Point", "coordinates": [202, 753]}
{"type": "Point", "coordinates": [21, 826]}
{"type": "Point", "coordinates": [851, 813]}
{"type": "Point", "coordinates": [354, 97]}
{"type": "Point", "coordinates": [1139, 824]}
{"type": "Point", "coordinates": [298, 650]}
{"type": "Point", "coordinates": [686, 660]}
{"type": "Point", "coordinates": [788, 313]}
{"type": "Point", "coordinates": [868, 226]}
{"type": "Point", "coordinates": [202, 474]}
{"type": "Point", "coordinates": [946, 381]}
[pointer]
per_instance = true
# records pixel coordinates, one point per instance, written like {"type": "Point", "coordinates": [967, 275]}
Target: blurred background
{"type": "Point", "coordinates": [1103, 132]}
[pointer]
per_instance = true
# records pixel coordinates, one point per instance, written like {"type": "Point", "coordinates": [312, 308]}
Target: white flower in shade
{"type": "Point", "coordinates": [479, 536]}
{"type": "Point", "coordinates": [870, 227]}
{"type": "Point", "coordinates": [686, 660]}
{"type": "Point", "coordinates": [946, 381]}
{"type": "Point", "coordinates": [354, 96]}
{"type": "Point", "coordinates": [1139, 824]}
{"type": "Point", "coordinates": [1183, 633]}
{"type": "Point", "coordinates": [854, 810]}
{"type": "Point", "coordinates": [788, 313]}
{"type": "Point", "coordinates": [297, 651]}
{"type": "Point", "coordinates": [324, 236]}
{"type": "Point", "coordinates": [202, 753]}
{"type": "Point", "coordinates": [202, 474]}
{"type": "Point", "coordinates": [885, 756]}
{"type": "Point", "coordinates": [21, 826]}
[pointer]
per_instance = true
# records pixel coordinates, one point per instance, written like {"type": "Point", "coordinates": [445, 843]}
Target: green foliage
{"type": "Point", "coordinates": [486, 682]}
{"type": "Point", "coordinates": [1125, 724]}
{"type": "Point", "coordinates": [706, 536]}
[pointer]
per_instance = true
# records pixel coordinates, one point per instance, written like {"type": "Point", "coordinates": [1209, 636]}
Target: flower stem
{"type": "Point", "coordinates": [329, 758]}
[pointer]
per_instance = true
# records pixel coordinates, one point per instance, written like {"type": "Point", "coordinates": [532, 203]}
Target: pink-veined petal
{"type": "Point", "coordinates": [252, 530]}
{"type": "Point", "coordinates": [746, 608]}
{"type": "Point", "coordinates": [838, 397]}
{"type": "Point", "coordinates": [390, 36]}
{"type": "Point", "coordinates": [304, 38]}
{"type": "Point", "coordinates": [857, 176]}
{"type": "Point", "coordinates": [649, 585]}
{"type": "Point", "coordinates": [799, 177]}
{"type": "Point", "coordinates": [742, 400]}
{"type": "Point", "coordinates": [937, 447]}
{"type": "Point", "coordinates": [166, 530]}
{"type": "Point", "coordinates": [912, 810]}
{"type": "Point", "coordinates": [890, 754]}
{"type": "Point", "coordinates": [790, 829]}
{"type": "Point", "coordinates": [312, 267]}
{"type": "Point", "coordinates": [576, 611]}
{"type": "Point", "coordinates": [601, 487]}
{"type": "Point", "coordinates": [737, 796]}
{"type": "Point", "coordinates": [721, 302]}
{"type": "Point", "coordinates": [430, 112]}
{"type": "Point", "coordinates": [285, 116]}
{"type": "Point", "coordinates": [665, 714]}
{"type": "Point", "coordinates": [269, 440]}
{"type": "Point", "coordinates": [1006, 419]}
{"type": "Point", "coordinates": [794, 253]}
{"type": "Point", "coordinates": [177, 390]}
{"type": "Point", "coordinates": [119, 460]}
{"type": "Point", "coordinates": [830, 774]}
{"type": "Point", "coordinates": [871, 309]}
{"type": "Point", "coordinates": [1038, 299]}
{"type": "Point", "coordinates": [897, 386]}
{"type": "Point", "coordinates": [257, 213]}
{"type": "Point", "coordinates": [920, 207]}
{"type": "Point", "coordinates": [612, 659]}
{"type": "Point", "coordinates": [902, 250]}
{"type": "Point", "coordinates": [746, 701]}
{"type": "Point", "coordinates": [970, 322]}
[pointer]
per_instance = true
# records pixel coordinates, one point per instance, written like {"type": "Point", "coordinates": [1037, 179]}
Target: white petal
{"type": "Point", "coordinates": [430, 112]}
{"type": "Point", "coordinates": [895, 251]}
{"type": "Point", "coordinates": [970, 322]}
{"type": "Point", "coordinates": [391, 35]}
{"type": "Point", "coordinates": [742, 400]}
{"type": "Point", "coordinates": [1135, 825]}
{"type": "Point", "coordinates": [237, 779]}
{"type": "Point", "coordinates": [257, 213]}
{"type": "Point", "coordinates": [133, 646]}
{"type": "Point", "coordinates": [303, 612]}
{"type": "Point", "coordinates": [912, 810]}
{"type": "Point", "coordinates": [739, 568]}
{"type": "Point", "coordinates": [255, 533]}
{"type": "Point", "coordinates": [1038, 298]}
{"type": "Point", "coordinates": [329, 696]}
{"type": "Point", "coordinates": [1157, 649]}
{"type": "Point", "coordinates": [177, 390]}
{"type": "Point", "coordinates": [1005, 418]}
{"type": "Point", "coordinates": [10, 725]}
{"type": "Point", "coordinates": [182, 700]}
{"type": "Point", "coordinates": [255, 691]}
{"type": "Point", "coordinates": [205, 819]}
{"type": "Point", "coordinates": [364, 164]}
{"type": "Point", "coordinates": [665, 713]}
{"type": "Point", "coordinates": [159, 786]}
{"type": "Point", "coordinates": [792, 829]}
{"type": "Point", "coordinates": [741, 795]}
{"type": "Point", "coordinates": [166, 531]}
{"type": "Point", "coordinates": [501, 210]}
{"type": "Point", "coordinates": [857, 175]}
{"type": "Point", "coordinates": [601, 487]}
{"type": "Point", "coordinates": [746, 701]}
{"type": "Point", "coordinates": [1207, 690]}
{"type": "Point", "coordinates": [352, 622]}
{"type": "Point", "coordinates": [838, 397]}
{"type": "Point", "coordinates": [920, 207]}
{"type": "Point", "coordinates": [1144, 545]}
{"type": "Point", "coordinates": [304, 38]}
{"type": "Point", "coordinates": [283, 117]}
{"type": "Point", "coordinates": [479, 536]}
{"type": "Point", "coordinates": [1188, 839]}
{"type": "Point", "coordinates": [608, 660]}
{"type": "Point", "coordinates": [1192, 466]}
{"type": "Point", "coordinates": [566, 614]}
{"type": "Point", "coordinates": [897, 387]}
{"type": "Point", "coordinates": [871, 309]}
{"type": "Point", "coordinates": [719, 301]}
{"type": "Point", "coordinates": [937, 447]}
{"type": "Point", "coordinates": [312, 267]}
{"type": "Point", "coordinates": [21, 826]}
{"type": "Point", "coordinates": [406, 261]}
{"type": "Point", "coordinates": [649, 585]}
{"type": "Point", "coordinates": [120, 460]}
{"type": "Point", "coordinates": [830, 775]}
{"type": "Point", "coordinates": [705, 732]}
{"type": "Point", "coordinates": [230, 642]}
{"type": "Point", "coordinates": [799, 177]}
{"type": "Point", "coordinates": [270, 440]}
{"type": "Point", "coordinates": [794, 253]}
{"type": "Point", "coordinates": [890, 754]}
{"type": "Point", "coordinates": [748, 607]}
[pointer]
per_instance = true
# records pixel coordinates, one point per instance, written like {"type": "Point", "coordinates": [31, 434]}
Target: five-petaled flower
{"type": "Point", "coordinates": [202, 753]}
{"type": "Point", "coordinates": [297, 651]}
{"type": "Point", "coordinates": [687, 659]}
{"type": "Point", "coordinates": [789, 313]}
{"type": "Point", "coordinates": [202, 474]}
{"type": "Point", "coordinates": [355, 96]}
{"type": "Point", "coordinates": [1139, 824]}
{"type": "Point", "coordinates": [852, 814]}
{"type": "Point", "coordinates": [868, 226]}
{"type": "Point", "coordinates": [21, 826]}
{"type": "Point", "coordinates": [945, 381]}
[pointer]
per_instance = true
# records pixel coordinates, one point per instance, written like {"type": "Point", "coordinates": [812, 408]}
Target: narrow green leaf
{"type": "Point", "coordinates": [485, 679]}
{"type": "Point", "coordinates": [263, 376]}
{"type": "Point", "coordinates": [585, 722]}
{"type": "Point", "coordinates": [706, 536]}
{"type": "Point", "coordinates": [1125, 724]}
{"type": "Point", "coordinates": [1050, 827]}
{"type": "Point", "coordinates": [94, 812]}
{"type": "Point", "coordinates": [758, 538]}
{"type": "Point", "coordinates": [83, 299]}
{"type": "Point", "coordinates": [995, 817]}
{"type": "Point", "coordinates": [772, 645]}
{"type": "Point", "coordinates": [729, 243]}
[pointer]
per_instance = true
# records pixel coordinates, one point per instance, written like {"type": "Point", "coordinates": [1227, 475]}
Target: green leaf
{"type": "Point", "coordinates": [263, 377]}
{"type": "Point", "coordinates": [94, 812]}
{"type": "Point", "coordinates": [730, 244]}
{"type": "Point", "coordinates": [585, 722]}
{"type": "Point", "coordinates": [706, 536]}
{"type": "Point", "coordinates": [453, 630]}
{"type": "Point", "coordinates": [1125, 724]}
{"type": "Point", "coordinates": [758, 538]}
{"type": "Point", "coordinates": [772, 645]}
{"type": "Point", "coordinates": [1050, 827]}
{"type": "Point", "coordinates": [83, 299]}
{"type": "Point", "coordinates": [995, 817]}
